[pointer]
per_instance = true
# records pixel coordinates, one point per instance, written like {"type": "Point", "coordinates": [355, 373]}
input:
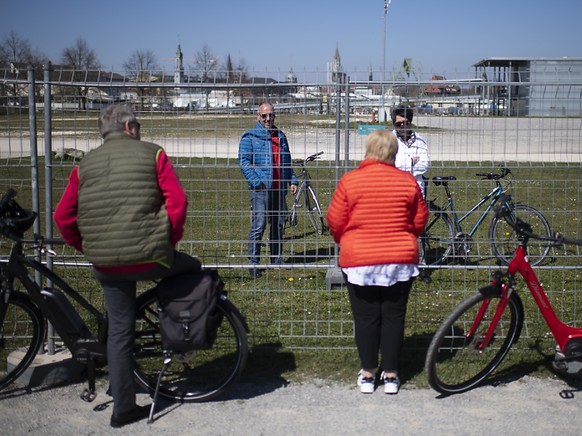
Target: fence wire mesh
{"type": "Point", "coordinates": [303, 302]}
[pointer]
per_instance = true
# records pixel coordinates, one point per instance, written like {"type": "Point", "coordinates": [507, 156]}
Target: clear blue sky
{"type": "Point", "coordinates": [441, 37]}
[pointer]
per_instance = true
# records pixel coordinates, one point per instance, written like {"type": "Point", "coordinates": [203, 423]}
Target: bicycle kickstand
{"type": "Point", "coordinates": [89, 393]}
{"type": "Point", "coordinates": [167, 362]}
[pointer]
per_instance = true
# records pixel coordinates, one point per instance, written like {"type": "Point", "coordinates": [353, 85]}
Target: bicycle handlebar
{"type": "Point", "coordinates": [308, 158]}
{"type": "Point", "coordinates": [15, 220]}
{"type": "Point", "coordinates": [495, 176]}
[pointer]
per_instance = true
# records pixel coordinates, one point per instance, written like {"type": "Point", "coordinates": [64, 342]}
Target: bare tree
{"type": "Point", "coordinates": [141, 67]}
{"type": "Point", "coordinates": [205, 62]}
{"type": "Point", "coordinates": [81, 59]}
{"type": "Point", "coordinates": [240, 75]}
{"type": "Point", "coordinates": [242, 71]}
{"type": "Point", "coordinates": [15, 51]}
{"type": "Point", "coordinates": [16, 54]}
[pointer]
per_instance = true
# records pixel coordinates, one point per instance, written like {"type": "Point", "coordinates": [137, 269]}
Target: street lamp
{"type": "Point", "coordinates": [382, 117]}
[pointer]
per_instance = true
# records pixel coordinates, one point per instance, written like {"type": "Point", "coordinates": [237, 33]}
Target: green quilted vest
{"type": "Point", "coordinates": [122, 217]}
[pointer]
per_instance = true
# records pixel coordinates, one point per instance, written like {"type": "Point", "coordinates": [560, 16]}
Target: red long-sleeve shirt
{"type": "Point", "coordinates": [176, 203]}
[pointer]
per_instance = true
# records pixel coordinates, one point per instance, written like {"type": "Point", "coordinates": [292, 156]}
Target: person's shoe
{"type": "Point", "coordinates": [278, 261]}
{"type": "Point", "coordinates": [391, 384]}
{"type": "Point", "coordinates": [137, 414]}
{"type": "Point", "coordinates": [255, 273]}
{"type": "Point", "coordinates": [366, 384]}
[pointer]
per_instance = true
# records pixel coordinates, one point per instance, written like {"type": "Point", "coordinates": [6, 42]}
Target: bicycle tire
{"type": "Point", "coordinates": [314, 211]}
{"type": "Point", "coordinates": [504, 239]}
{"type": "Point", "coordinates": [437, 238]}
{"type": "Point", "coordinates": [453, 362]}
{"type": "Point", "coordinates": [193, 376]}
{"type": "Point", "coordinates": [21, 336]}
{"type": "Point", "coordinates": [291, 218]}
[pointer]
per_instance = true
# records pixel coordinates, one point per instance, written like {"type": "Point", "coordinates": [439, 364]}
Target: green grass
{"type": "Point", "coordinates": [298, 328]}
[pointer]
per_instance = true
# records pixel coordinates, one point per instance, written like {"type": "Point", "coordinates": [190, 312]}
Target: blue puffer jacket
{"type": "Point", "coordinates": [255, 157]}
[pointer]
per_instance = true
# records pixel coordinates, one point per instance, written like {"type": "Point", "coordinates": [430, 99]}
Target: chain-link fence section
{"type": "Point", "coordinates": [470, 128]}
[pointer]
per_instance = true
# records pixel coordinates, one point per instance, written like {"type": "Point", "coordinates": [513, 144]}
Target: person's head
{"type": "Point", "coordinates": [119, 118]}
{"type": "Point", "coordinates": [266, 115]}
{"type": "Point", "coordinates": [381, 145]}
{"type": "Point", "coordinates": [402, 120]}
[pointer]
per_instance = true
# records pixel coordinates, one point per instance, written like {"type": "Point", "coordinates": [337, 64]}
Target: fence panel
{"type": "Point", "coordinates": [200, 124]}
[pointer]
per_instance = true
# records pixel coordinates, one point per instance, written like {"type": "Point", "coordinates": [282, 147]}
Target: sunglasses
{"type": "Point", "coordinates": [401, 124]}
{"type": "Point", "coordinates": [265, 116]}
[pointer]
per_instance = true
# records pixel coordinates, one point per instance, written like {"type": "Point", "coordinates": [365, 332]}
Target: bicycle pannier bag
{"type": "Point", "coordinates": [189, 317]}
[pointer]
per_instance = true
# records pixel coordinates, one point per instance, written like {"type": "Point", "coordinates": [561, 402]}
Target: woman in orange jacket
{"type": "Point", "coordinates": [376, 215]}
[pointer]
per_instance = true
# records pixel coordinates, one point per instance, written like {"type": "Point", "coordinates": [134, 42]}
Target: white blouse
{"type": "Point", "coordinates": [381, 275]}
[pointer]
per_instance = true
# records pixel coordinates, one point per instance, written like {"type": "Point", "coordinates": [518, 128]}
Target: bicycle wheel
{"type": "Point", "coordinates": [196, 375]}
{"type": "Point", "coordinates": [455, 361]}
{"type": "Point", "coordinates": [437, 238]}
{"type": "Point", "coordinates": [291, 218]}
{"type": "Point", "coordinates": [504, 240]}
{"type": "Point", "coordinates": [314, 210]}
{"type": "Point", "coordinates": [22, 334]}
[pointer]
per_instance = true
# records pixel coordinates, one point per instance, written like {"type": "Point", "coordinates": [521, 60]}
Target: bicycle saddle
{"type": "Point", "coordinates": [442, 180]}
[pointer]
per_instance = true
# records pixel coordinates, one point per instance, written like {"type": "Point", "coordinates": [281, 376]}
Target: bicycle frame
{"type": "Point", "coordinates": [494, 195]}
{"type": "Point", "coordinates": [306, 193]}
{"type": "Point", "coordinates": [18, 267]}
{"type": "Point", "coordinates": [562, 332]}
{"type": "Point", "coordinates": [305, 176]}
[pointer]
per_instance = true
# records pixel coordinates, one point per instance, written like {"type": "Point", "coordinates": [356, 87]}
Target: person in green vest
{"type": "Point", "coordinates": [124, 208]}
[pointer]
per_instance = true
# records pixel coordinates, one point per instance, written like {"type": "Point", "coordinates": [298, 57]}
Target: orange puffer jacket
{"type": "Point", "coordinates": [376, 215]}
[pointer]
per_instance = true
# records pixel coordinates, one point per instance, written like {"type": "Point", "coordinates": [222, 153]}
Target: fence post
{"type": "Point", "coordinates": [33, 146]}
{"type": "Point", "coordinates": [347, 126]}
{"type": "Point", "coordinates": [48, 168]}
{"type": "Point", "coordinates": [48, 156]}
{"type": "Point", "coordinates": [333, 276]}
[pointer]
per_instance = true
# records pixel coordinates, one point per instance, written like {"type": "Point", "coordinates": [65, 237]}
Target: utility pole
{"type": "Point", "coordinates": [382, 115]}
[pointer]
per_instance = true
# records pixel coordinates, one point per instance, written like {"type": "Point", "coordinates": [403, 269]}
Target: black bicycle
{"type": "Point", "coordinates": [26, 305]}
{"type": "Point", "coordinates": [443, 238]}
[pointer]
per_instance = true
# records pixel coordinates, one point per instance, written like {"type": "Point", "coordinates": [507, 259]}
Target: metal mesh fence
{"type": "Point", "coordinates": [303, 303]}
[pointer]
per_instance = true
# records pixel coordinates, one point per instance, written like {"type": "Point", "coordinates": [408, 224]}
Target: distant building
{"type": "Point", "coordinates": [179, 66]}
{"type": "Point", "coordinates": [335, 71]}
{"type": "Point", "coordinates": [441, 89]}
{"type": "Point", "coordinates": [533, 86]}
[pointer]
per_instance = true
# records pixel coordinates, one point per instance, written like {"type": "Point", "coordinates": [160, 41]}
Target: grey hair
{"type": "Point", "coordinates": [114, 117]}
{"type": "Point", "coordinates": [382, 145]}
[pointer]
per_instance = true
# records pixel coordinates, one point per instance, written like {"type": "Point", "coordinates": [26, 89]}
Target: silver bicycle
{"type": "Point", "coordinates": [307, 198]}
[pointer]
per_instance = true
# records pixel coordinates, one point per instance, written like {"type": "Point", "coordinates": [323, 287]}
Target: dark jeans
{"type": "Point", "coordinates": [267, 206]}
{"type": "Point", "coordinates": [120, 301]}
{"type": "Point", "coordinates": [379, 315]}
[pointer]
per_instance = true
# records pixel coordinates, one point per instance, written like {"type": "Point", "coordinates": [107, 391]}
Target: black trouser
{"type": "Point", "coordinates": [120, 301]}
{"type": "Point", "coordinates": [379, 315]}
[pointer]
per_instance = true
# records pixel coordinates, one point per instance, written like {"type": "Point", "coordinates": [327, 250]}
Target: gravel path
{"type": "Point", "coordinates": [527, 406]}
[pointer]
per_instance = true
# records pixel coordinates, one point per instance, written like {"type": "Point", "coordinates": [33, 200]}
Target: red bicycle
{"type": "Point", "coordinates": [475, 338]}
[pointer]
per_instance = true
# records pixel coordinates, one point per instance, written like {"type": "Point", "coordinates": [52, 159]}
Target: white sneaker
{"type": "Point", "coordinates": [391, 384]}
{"type": "Point", "coordinates": [366, 384]}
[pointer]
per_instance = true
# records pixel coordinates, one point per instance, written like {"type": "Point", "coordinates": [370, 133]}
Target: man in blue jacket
{"type": "Point", "coordinates": [265, 161]}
